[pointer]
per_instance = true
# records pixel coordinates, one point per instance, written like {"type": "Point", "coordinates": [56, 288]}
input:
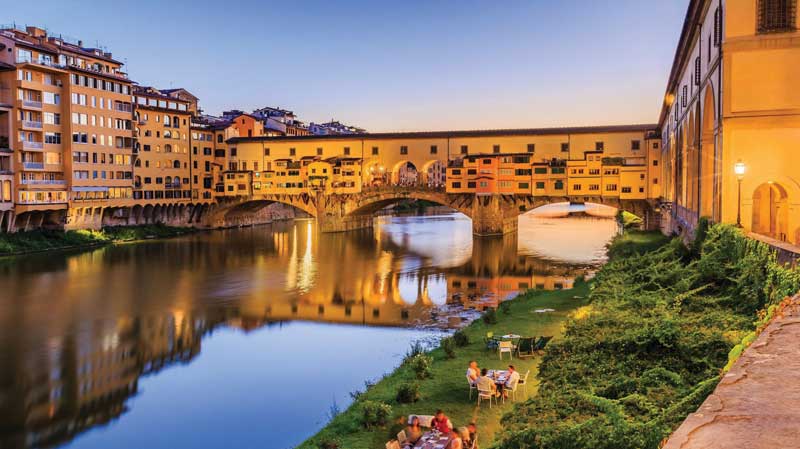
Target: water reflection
{"type": "Point", "coordinates": [78, 330]}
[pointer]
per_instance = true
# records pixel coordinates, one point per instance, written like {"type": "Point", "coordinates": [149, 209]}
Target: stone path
{"type": "Point", "coordinates": [757, 403]}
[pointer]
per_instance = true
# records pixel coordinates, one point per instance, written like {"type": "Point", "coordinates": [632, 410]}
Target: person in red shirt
{"type": "Point", "coordinates": [441, 422]}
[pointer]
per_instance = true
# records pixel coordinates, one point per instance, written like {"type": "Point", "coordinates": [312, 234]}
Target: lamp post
{"type": "Point", "coordinates": [739, 169]}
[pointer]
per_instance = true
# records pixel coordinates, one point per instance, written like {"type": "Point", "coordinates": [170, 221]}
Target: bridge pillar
{"type": "Point", "coordinates": [493, 215]}
{"type": "Point", "coordinates": [333, 222]}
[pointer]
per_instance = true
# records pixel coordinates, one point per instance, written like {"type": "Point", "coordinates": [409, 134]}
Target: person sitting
{"type": "Point", "coordinates": [470, 437]}
{"type": "Point", "coordinates": [472, 371]}
{"type": "Point", "coordinates": [511, 380]}
{"type": "Point", "coordinates": [413, 433]}
{"type": "Point", "coordinates": [455, 441]}
{"type": "Point", "coordinates": [486, 383]}
{"type": "Point", "coordinates": [441, 422]}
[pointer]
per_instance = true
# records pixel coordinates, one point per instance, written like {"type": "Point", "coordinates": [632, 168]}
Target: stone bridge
{"type": "Point", "coordinates": [490, 214]}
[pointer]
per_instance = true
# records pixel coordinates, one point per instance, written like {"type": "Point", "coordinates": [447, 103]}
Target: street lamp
{"type": "Point", "coordinates": [739, 169]}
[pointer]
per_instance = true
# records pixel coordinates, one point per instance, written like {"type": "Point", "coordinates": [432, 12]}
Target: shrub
{"type": "Point", "coordinates": [461, 338]}
{"type": "Point", "coordinates": [489, 316]}
{"type": "Point", "coordinates": [329, 443]}
{"type": "Point", "coordinates": [375, 413]}
{"type": "Point", "coordinates": [408, 393]}
{"type": "Point", "coordinates": [415, 349]}
{"type": "Point", "coordinates": [421, 365]}
{"type": "Point", "coordinates": [449, 346]}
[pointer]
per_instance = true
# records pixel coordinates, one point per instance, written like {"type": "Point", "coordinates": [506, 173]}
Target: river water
{"type": "Point", "coordinates": [248, 337]}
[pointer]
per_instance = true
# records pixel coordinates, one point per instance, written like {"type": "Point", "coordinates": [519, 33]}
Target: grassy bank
{"type": "Point", "coordinates": [32, 241]}
{"type": "Point", "coordinates": [446, 387]}
{"type": "Point", "coordinates": [659, 329]}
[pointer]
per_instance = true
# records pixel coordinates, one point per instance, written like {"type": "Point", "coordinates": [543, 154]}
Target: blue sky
{"type": "Point", "coordinates": [390, 65]}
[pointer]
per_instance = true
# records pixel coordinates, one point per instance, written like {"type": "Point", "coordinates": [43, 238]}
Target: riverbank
{"type": "Point", "coordinates": [44, 240]}
{"type": "Point", "coordinates": [446, 387]}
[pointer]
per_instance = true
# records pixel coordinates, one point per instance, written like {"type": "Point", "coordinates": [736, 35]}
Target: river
{"type": "Point", "coordinates": [248, 337]}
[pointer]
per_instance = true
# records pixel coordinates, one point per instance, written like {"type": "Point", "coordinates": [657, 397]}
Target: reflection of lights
{"type": "Point", "coordinates": [306, 275]}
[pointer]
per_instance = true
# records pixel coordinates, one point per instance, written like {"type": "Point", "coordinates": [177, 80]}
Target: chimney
{"type": "Point", "coordinates": [36, 31]}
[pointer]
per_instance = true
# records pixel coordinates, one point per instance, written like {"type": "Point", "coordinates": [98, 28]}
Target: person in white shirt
{"type": "Point", "coordinates": [473, 372]}
{"type": "Point", "coordinates": [486, 383]}
{"type": "Point", "coordinates": [511, 380]}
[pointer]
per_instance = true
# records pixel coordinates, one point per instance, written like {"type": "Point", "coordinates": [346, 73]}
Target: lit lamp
{"type": "Point", "coordinates": [739, 169]}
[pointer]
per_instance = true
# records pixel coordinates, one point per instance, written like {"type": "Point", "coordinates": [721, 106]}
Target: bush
{"type": "Point", "coordinates": [421, 365]}
{"type": "Point", "coordinates": [375, 413]}
{"type": "Point", "coordinates": [449, 346]}
{"type": "Point", "coordinates": [415, 349]}
{"type": "Point", "coordinates": [461, 338]}
{"type": "Point", "coordinates": [408, 393]}
{"type": "Point", "coordinates": [489, 316]}
{"type": "Point", "coordinates": [329, 443]}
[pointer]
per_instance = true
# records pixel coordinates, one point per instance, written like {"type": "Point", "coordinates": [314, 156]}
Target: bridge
{"type": "Point", "coordinates": [491, 215]}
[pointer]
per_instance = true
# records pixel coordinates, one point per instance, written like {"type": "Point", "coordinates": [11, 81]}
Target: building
{"type": "Point", "coordinates": [333, 128]}
{"type": "Point", "coordinates": [732, 105]}
{"type": "Point", "coordinates": [70, 131]}
{"type": "Point", "coordinates": [281, 121]}
{"type": "Point", "coordinates": [162, 167]}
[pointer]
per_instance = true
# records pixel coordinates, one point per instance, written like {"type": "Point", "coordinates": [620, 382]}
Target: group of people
{"type": "Point", "coordinates": [461, 438]}
{"type": "Point", "coordinates": [480, 379]}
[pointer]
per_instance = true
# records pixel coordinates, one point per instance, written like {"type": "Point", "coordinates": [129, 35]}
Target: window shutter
{"type": "Point", "coordinates": [697, 71]}
{"type": "Point", "coordinates": [717, 27]}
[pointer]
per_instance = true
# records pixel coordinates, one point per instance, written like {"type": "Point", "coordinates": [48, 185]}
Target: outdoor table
{"type": "Point", "coordinates": [433, 440]}
{"type": "Point", "coordinates": [501, 377]}
{"type": "Point", "coordinates": [511, 337]}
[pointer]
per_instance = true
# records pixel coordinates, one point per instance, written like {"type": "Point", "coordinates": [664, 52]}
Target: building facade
{"type": "Point", "coordinates": [730, 123]}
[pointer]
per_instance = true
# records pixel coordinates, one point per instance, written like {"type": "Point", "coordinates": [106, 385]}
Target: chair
{"type": "Point", "coordinates": [505, 346]}
{"type": "Point", "coordinates": [525, 347]}
{"type": "Point", "coordinates": [486, 395]}
{"type": "Point", "coordinates": [524, 382]}
{"type": "Point", "coordinates": [491, 342]}
{"type": "Point", "coordinates": [424, 420]}
{"type": "Point", "coordinates": [539, 346]}
{"type": "Point", "coordinates": [401, 436]}
{"type": "Point", "coordinates": [513, 390]}
{"type": "Point", "coordinates": [471, 386]}
{"type": "Point", "coordinates": [393, 444]}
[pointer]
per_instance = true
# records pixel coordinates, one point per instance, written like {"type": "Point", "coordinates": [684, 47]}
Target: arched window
{"type": "Point", "coordinates": [138, 163]}
{"type": "Point", "coordinates": [176, 164]}
{"type": "Point", "coordinates": [166, 120]}
{"type": "Point", "coordinates": [168, 148]}
{"type": "Point", "coordinates": [176, 122]}
{"type": "Point", "coordinates": [168, 181]}
{"type": "Point", "coordinates": [167, 134]}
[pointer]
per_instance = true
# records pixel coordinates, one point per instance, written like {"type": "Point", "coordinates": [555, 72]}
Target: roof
{"type": "Point", "coordinates": [454, 134]}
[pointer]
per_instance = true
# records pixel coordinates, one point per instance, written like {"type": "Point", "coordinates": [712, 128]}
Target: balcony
{"type": "Point", "coordinates": [33, 165]}
{"type": "Point", "coordinates": [48, 182]}
{"type": "Point", "coordinates": [30, 145]}
{"type": "Point", "coordinates": [31, 124]}
{"type": "Point", "coordinates": [32, 104]}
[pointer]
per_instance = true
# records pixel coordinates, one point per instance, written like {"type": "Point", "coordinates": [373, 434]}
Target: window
{"type": "Point", "coordinates": [471, 185]}
{"type": "Point", "coordinates": [347, 151]}
{"type": "Point", "coordinates": [292, 152]}
{"type": "Point", "coordinates": [576, 187]}
{"type": "Point", "coordinates": [611, 187]}
{"type": "Point", "coordinates": [319, 151]}
{"type": "Point", "coordinates": [374, 151]}
{"type": "Point", "coordinates": [464, 149]}
{"type": "Point", "coordinates": [403, 149]}
{"type": "Point", "coordinates": [559, 185]}
{"type": "Point", "coordinates": [434, 149]}
{"type": "Point", "coordinates": [524, 185]}
{"type": "Point", "coordinates": [52, 138]}
{"type": "Point", "coordinates": [635, 144]}
{"type": "Point", "coordinates": [697, 71]}
{"type": "Point", "coordinates": [565, 146]}
{"type": "Point", "coordinates": [456, 185]}
{"type": "Point", "coordinates": [219, 138]}
{"type": "Point", "coordinates": [655, 162]}
{"type": "Point", "coordinates": [626, 190]}
{"type": "Point", "coordinates": [598, 146]}
{"type": "Point", "coordinates": [685, 96]}
{"type": "Point", "coordinates": [495, 148]}
{"type": "Point", "coordinates": [717, 27]}
{"type": "Point", "coordinates": [531, 148]}
{"type": "Point", "coordinates": [776, 16]}
{"type": "Point", "coordinates": [540, 170]}
{"type": "Point", "coordinates": [539, 184]}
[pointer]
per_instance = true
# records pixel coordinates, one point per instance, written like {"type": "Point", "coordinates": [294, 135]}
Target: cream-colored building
{"type": "Point", "coordinates": [732, 98]}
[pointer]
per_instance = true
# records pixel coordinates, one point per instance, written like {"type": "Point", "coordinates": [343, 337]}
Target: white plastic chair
{"type": "Point", "coordinates": [424, 420]}
{"type": "Point", "coordinates": [512, 389]}
{"type": "Point", "coordinates": [471, 386]}
{"type": "Point", "coordinates": [505, 346]}
{"type": "Point", "coordinates": [524, 382]}
{"type": "Point", "coordinates": [485, 395]}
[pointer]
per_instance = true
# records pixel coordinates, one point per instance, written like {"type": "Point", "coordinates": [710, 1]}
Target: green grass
{"type": "Point", "coordinates": [447, 388]}
{"type": "Point", "coordinates": [43, 240]}
{"type": "Point", "coordinates": [634, 242]}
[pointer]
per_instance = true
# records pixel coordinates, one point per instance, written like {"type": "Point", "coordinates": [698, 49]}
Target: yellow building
{"type": "Point", "coordinates": [162, 166]}
{"type": "Point", "coordinates": [731, 99]}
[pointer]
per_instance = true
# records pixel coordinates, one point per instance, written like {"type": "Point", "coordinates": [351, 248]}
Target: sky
{"type": "Point", "coordinates": [392, 65]}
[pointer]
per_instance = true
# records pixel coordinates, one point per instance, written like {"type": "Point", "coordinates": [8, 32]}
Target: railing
{"type": "Point", "coordinates": [32, 145]}
{"type": "Point", "coordinates": [33, 165]}
{"type": "Point", "coordinates": [57, 182]}
{"type": "Point", "coordinates": [123, 107]}
{"type": "Point", "coordinates": [31, 124]}
{"type": "Point", "coordinates": [32, 104]}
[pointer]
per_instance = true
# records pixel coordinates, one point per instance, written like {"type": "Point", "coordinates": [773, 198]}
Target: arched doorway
{"type": "Point", "coordinates": [708, 145]}
{"type": "Point", "coordinates": [405, 174]}
{"type": "Point", "coordinates": [771, 211]}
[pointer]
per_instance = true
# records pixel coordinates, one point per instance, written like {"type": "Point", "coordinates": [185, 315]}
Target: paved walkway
{"type": "Point", "coordinates": [757, 403]}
